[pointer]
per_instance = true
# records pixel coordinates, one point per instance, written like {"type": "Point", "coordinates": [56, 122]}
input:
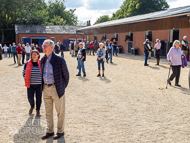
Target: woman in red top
{"type": "Point", "coordinates": [91, 47]}
{"type": "Point", "coordinates": [19, 53]}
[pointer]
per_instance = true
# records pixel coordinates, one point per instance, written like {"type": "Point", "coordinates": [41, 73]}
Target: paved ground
{"type": "Point", "coordinates": [163, 60]}
{"type": "Point", "coordinates": [131, 104]}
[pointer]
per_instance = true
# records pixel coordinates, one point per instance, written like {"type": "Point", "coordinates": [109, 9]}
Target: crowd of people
{"type": "Point", "coordinates": [176, 56]}
{"type": "Point", "coordinates": [50, 75]}
{"type": "Point", "coordinates": [21, 53]}
{"type": "Point", "coordinates": [104, 51]}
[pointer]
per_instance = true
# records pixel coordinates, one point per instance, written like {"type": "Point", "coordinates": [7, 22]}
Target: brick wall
{"type": "Point", "coordinates": [139, 37]}
{"type": "Point", "coordinates": [161, 34]}
{"type": "Point", "coordinates": [185, 32]}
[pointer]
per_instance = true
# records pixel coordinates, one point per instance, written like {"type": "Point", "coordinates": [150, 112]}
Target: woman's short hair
{"type": "Point", "coordinates": [34, 51]}
{"type": "Point", "coordinates": [157, 40]}
{"type": "Point", "coordinates": [147, 40]}
{"type": "Point", "coordinates": [176, 42]}
{"type": "Point", "coordinates": [101, 44]}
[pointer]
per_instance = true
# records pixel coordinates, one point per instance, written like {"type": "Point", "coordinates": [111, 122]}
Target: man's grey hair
{"type": "Point", "coordinates": [23, 44]}
{"type": "Point", "coordinates": [50, 42]}
{"type": "Point", "coordinates": [176, 42]}
{"type": "Point", "coordinates": [19, 44]}
{"type": "Point", "coordinates": [81, 43]}
{"type": "Point", "coordinates": [184, 37]}
{"type": "Point", "coordinates": [101, 44]}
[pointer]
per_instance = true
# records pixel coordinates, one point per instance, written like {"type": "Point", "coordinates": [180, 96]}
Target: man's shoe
{"type": "Point", "coordinates": [178, 85]}
{"type": "Point", "coordinates": [111, 62]}
{"type": "Point", "coordinates": [146, 65]}
{"type": "Point", "coordinates": [78, 75]}
{"type": "Point", "coordinates": [84, 75]}
{"type": "Point", "coordinates": [98, 75]}
{"type": "Point", "coordinates": [38, 113]}
{"type": "Point", "coordinates": [31, 110]}
{"type": "Point", "coordinates": [59, 135]}
{"type": "Point", "coordinates": [169, 82]}
{"type": "Point", "coordinates": [102, 75]}
{"type": "Point", "coordinates": [47, 136]}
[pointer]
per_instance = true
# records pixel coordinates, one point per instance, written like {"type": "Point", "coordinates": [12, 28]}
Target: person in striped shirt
{"type": "Point", "coordinates": [32, 76]}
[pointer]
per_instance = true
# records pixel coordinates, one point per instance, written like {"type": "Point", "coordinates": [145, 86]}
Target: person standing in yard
{"type": "Point", "coordinates": [76, 48]}
{"type": "Point", "coordinates": [13, 49]}
{"type": "Point", "coordinates": [101, 52]}
{"type": "Point", "coordinates": [10, 52]}
{"type": "Point", "coordinates": [91, 47]}
{"type": "Point", "coordinates": [32, 77]}
{"type": "Point", "coordinates": [55, 78]}
{"type": "Point", "coordinates": [1, 51]}
{"type": "Point", "coordinates": [185, 46]}
{"type": "Point", "coordinates": [5, 50]}
{"type": "Point", "coordinates": [110, 52]}
{"type": "Point", "coordinates": [56, 48]}
{"type": "Point", "coordinates": [62, 49]}
{"type": "Point", "coordinates": [23, 53]}
{"type": "Point", "coordinates": [32, 47]}
{"type": "Point", "coordinates": [114, 47]}
{"type": "Point", "coordinates": [106, 49]}
{"type": "Point", "coordinates": [174, 57]}
{"type": "Point", "coordinates": [38, 48]}
{"type": "Point", "coordinates": [19, 54]}
{"type": "Point", "coordinates": [157, 46]}
{"type": "Point", "coordinates": [81, 57]}
{"type": "Point", "coordinates": [27, 49]}
{"type": "Point", "coordinates": [147, 48]}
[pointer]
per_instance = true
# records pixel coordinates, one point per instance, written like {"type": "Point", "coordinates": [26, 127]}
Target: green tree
{"type": "Point", "coordinates": [101, 19]}
{"type": "Point", "coordinates": [138, 7]}
{"type": "Point", "coordinates": [57, 8]}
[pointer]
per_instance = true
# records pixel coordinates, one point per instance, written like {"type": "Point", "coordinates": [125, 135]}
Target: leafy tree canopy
{"type": "Point", "coordinates": [136, 7]}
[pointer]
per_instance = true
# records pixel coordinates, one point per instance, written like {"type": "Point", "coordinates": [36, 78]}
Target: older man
{"type": "Point", "coordinates": [55, 78]}
{"type": "Point", "coordinates": [185, 46]}
{"type": "Point", "coordinates": [81, 57]}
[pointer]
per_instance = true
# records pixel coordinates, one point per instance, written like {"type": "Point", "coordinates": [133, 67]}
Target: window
{"type": "Point", "coordinates": [148, 35]}
{"type": "Point", "coordinates": [53, 39]}
{"type": "Point", "coordinates": [22, 40]}
{"type": "Point", "coordinates": [87, 37]}
{"type": "Point", "coordinates": [116, 36]}
{"type": "Point", "coordinates": [130, 34]}
{"type": "Point", "coordinates": [95, 37]}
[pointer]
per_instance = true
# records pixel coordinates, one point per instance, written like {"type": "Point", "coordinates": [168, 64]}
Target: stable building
{"type": "Point", "coordinates": [131, 32]}
{"type": "Point", "coordinates": [38, 33]}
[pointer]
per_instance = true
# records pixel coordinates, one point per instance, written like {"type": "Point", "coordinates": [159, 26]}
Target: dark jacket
{"type": "Point", "coordinates": [146, 48]}
{"type": "Point", "coordinates": [62, 47]}
{"type": "Point", "coordinates": [83, 54]}
{"type": "Point", "coordinates": [60, 73]}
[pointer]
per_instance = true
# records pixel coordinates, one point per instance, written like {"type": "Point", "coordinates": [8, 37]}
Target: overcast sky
{"type": "Point", "coordinates": [92, 9]}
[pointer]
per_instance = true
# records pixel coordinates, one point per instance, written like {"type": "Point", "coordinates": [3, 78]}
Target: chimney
{"type": "Point", "coordinates": [89, 23]}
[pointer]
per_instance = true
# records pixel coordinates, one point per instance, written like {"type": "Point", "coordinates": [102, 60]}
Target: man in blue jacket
{"type": "Point", "coordinates": [55, 78]}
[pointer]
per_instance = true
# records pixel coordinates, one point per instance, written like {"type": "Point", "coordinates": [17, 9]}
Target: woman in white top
{"type": "Point", "coordinates": [157, 46]}
{"type": "Point", "coordinates": [5, 50]}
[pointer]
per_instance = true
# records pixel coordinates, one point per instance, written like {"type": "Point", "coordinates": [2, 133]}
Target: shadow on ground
{"type": "Point", "coordinates": [84, 79]}
{"type": "Point", "coordinates": [105, 79]}
{"type": "Point", "coordinates": [32, 131]}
